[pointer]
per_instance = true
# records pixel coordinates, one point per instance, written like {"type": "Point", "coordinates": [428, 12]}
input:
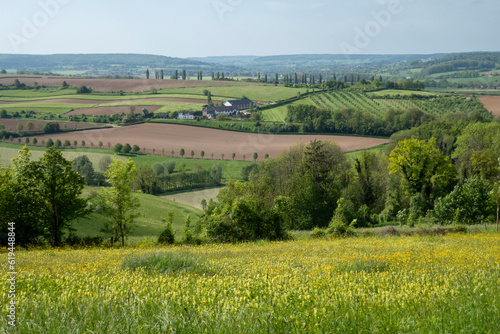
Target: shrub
{"type": "Point", "coordinates": [118, 148]}
{"type": "Point", "coordinates": [169, 166]}
{"type": "Point", "coordinates": [51, 127]}
{"type": "Point", "coordinates": [167, 236]}
{"type": "Point", "coordinates": [126, 148]}
{"type": "Point", "coordinates": [158, 168]}
{"type": "Point", "coordinates": [391, 231]}
{"type": "Point", "coordinates": [318, 233]}
{"type": "Point", "coordinates": [340, 229]}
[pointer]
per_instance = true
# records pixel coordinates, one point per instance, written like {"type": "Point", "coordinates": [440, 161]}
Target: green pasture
{"type": "Point", "coordinates": [149, 223]}
{"type": "Point", "coordinates": [278, 114]}
{"type": "Point", "coordinates": [231, 170]}
{"type": "Point", "coordinates": [99, 97]}
{"type": "Point", "coordinates": [254, 92]}
{"type": "Point", "coordinates": [36, 93]}
{"type": "Point", "coordinates": [193, 198]}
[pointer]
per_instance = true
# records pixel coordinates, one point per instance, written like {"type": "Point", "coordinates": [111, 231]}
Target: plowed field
{"type": "Point", "coordinates": [216, 142]}
{"type": "Point", "coordinates": [11, 125]}
{"type": "Point", "coordinates": [492, 104]}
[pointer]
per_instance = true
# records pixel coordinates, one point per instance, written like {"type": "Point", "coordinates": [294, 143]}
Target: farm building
{"type": "Point", "coordinates": [163, 116]}
{"type": "Point", "coordinates": [215, 111]}
{"type": "Point", "coordinates": [240, 104]}
{"type": "Point", "coordinates": [185, 116]}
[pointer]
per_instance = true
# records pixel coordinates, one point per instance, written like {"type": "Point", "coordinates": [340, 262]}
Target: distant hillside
{"type": "Point", "coordinates": [464, 67]}
{"type": "Point", "coordinates": [310, 62]}
{"type": "Point", "coordinates": [103, 64]}
{"type": "Point", "coordinates": [419, 66]}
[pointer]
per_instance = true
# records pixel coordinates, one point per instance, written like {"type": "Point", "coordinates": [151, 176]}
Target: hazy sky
{"type": "Point", "coordinates": [191, 28]}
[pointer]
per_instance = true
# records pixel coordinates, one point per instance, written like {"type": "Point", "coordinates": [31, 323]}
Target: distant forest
{"type": "Point", "coordinates": [438, 70]}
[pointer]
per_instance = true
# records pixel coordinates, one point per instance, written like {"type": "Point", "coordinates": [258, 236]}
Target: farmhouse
{"type": "Point", "coordinates": [215, 111]}
{"type": "Point", "coordinates": [240, 104]}
{"type": "Point", "coordinates": [185, 116]}
{"type": "Point", "coordinates": [163, 116]}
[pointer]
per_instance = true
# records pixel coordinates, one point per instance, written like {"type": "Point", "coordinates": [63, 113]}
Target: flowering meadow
{"type": "Point", "coordinates": [418, 284]}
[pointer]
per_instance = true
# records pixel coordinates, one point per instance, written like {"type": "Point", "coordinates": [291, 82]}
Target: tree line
{"type": "Point", "coordinates": [443, 172]}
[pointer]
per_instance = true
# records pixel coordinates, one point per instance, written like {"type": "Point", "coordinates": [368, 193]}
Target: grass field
{"type": "Point", "coordinates": [231, 170]}
{"type": "Point", "coordinates": [194, 198]}
{"type": "Point", "coordinates": [438, 284]}
{"type": "Point", "coordinates": [149, 223]}
{"type": "Point", "coordinates": [254, 92]}
{"type": "Point", "coordinates": [7, 152]}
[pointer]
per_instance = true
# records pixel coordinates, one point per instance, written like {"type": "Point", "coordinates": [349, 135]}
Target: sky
{"type": "Point", "coordinates": [199, 28]}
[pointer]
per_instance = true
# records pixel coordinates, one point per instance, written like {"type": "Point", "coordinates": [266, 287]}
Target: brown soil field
{"type": "Point", "coordinates": [492, 104]}
{"type": "Point", "coordinates": [171, 136]}
{"type": "Point", "coordinates": [11, 124]}
{"type": "Point", "coordinates": [115, 85]}
{"type": "Point", "coordinates": [111, 110]}
{"type": "Point", "coordinates": [83, 101]}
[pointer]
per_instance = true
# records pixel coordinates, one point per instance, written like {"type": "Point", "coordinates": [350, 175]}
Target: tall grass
{"type": "Point", "coordinates": [432, 284]}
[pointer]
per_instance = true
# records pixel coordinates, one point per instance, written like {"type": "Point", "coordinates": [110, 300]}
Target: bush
{"type": "Point", "coordinates": [245, 220]}
{"type": "Point", "coordinates": [167, 236]}
{"type": "Point", "coordinates": [458, 229]}
{"type": "Point", "coordinates": [391, 231]}
{"type": "Point", "coordinates": [84, 90]}
{"type": "Point", "coordinates": [158, 168]}
{"type": "Point", "coordinates": [248, 170]}
{"type": "Point", "coordinates": [340, 229]}
{"type": "Point", "coordinates": [318, 233]}
{"type": "Point", "coordinates": [169, 166]}
{"type": "Point", "coordinates": [51, 127]}
{"type": "Point", "coordinates": [118, 148]}
{"type": "Point", "coordinates": [126, 148]}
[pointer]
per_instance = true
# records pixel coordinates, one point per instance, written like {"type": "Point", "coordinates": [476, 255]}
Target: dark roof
{"type": "Point", "coordinates": [245, 101]}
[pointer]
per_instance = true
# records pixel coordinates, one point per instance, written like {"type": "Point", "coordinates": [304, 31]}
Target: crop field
{"type": "Point", "coordinates": [434, 284]}
{"type": "Point", "coordinates": [378, 104]}
{"type": "Point", "coordinates": [115, 85]}
{"type": "Point", "coordinates": [212, 141]}
{"type": "Point", "coordinates": [491, 103]}
{"type": "Point", "coordinates": [93, 104]}
{"type": "Point", "coordinates": [11, 124]}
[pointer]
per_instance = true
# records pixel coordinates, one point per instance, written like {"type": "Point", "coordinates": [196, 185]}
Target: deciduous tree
{"type": "Point", "coordinates": [120, 200]}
